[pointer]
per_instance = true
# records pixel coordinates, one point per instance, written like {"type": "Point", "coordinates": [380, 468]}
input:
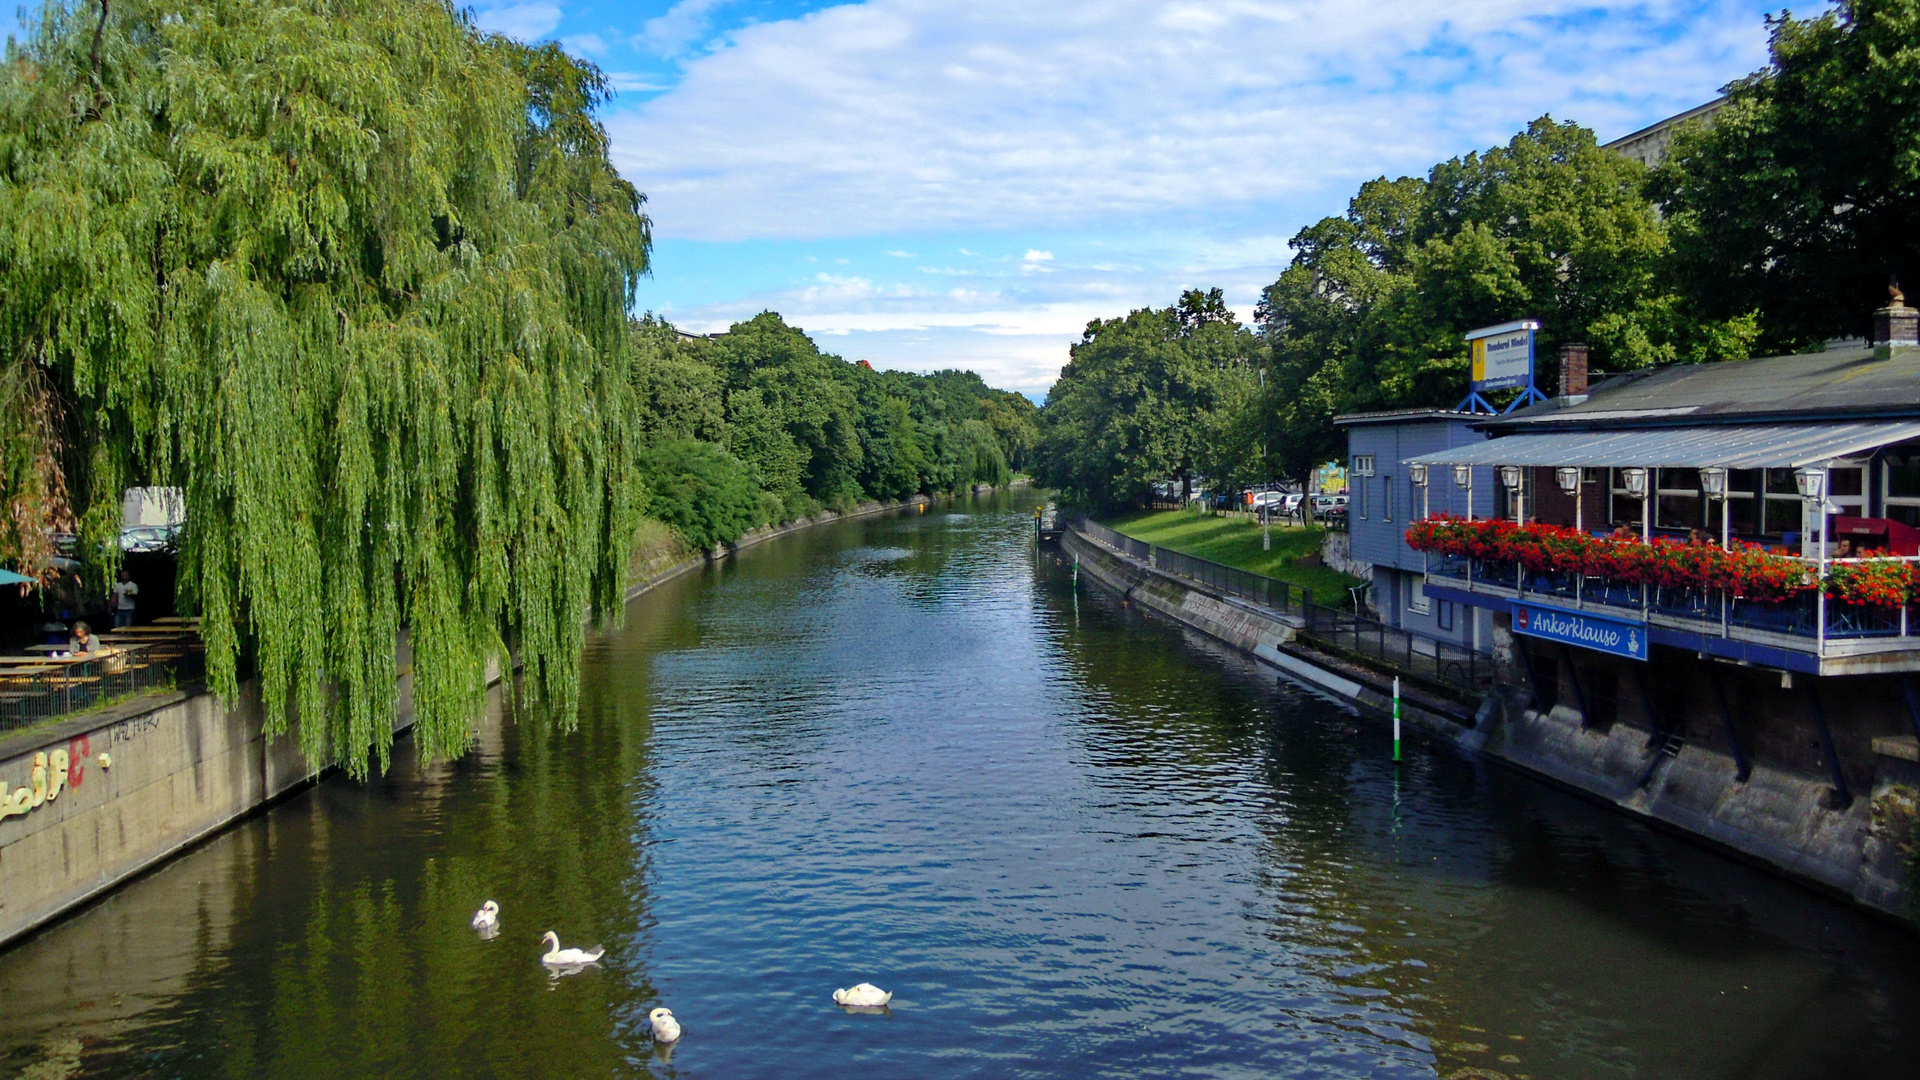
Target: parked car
{"type": "Point", "coordinates": [1325, 504]}
{"type": "Point", "coordinates": [146, 538]}
{"type": "Point", "coordinates": [1274, 499]}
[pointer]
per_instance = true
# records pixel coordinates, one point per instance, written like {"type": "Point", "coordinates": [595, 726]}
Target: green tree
{"type": "Point", "coordinates": [780, 383]}
{"type": "Point", "coordinates": [355, 277]}
{"type": "Point", "coordinates": [1144, 398]}
{"type": "Point", "coordinates": [1793, 207]}
{"type": "Point", "coordinates": [705, 493]}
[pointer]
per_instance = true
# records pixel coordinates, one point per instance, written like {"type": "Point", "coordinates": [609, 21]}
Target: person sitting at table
{"type": "Point", "coordinates": [82, 640]}
{"type": "Point", "coordinates": [1843, 550]}
{"type": "Point", "coordinates": [1699, 538]}
{"type": "Point", "coordinates": [1624, 532]}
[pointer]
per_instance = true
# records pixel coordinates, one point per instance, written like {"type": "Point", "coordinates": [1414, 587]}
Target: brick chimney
{"type": "Point", "coordinates": [1573, 373]}
{"type": "Point", "coordinates": [1896, 326]}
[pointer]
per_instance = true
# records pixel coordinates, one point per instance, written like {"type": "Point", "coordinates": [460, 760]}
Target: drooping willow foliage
{"type": "Point", "coordinates": [354, 276]}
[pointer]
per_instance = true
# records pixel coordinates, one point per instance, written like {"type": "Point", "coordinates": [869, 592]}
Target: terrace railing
{"type": "Point", "coordinates": [1810, 616]}
{"type": "Point", "coordinates": [31, 694]}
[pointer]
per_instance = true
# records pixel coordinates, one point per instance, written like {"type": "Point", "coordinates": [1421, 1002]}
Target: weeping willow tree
{"type": "Point", "coordinates": [354, 277]}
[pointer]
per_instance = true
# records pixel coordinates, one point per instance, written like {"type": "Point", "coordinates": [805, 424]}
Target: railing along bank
{"type": "Point", "coordinates": [1440, 661]}
{"type": "Point", "coordinates": [1745, 588]}
{"type": "Point", "coordinates": [32, 694]}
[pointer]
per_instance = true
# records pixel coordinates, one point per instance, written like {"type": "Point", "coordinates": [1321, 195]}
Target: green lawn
{"type": "Point", "coordinates": [1235, 541]}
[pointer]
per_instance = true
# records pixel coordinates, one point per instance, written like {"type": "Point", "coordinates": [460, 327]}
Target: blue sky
{"type": "Point", "coordinates": [936, 183]}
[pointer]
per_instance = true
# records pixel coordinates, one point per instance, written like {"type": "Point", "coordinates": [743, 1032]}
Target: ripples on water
{"type": "Point", "coordinates": [1073, 842]}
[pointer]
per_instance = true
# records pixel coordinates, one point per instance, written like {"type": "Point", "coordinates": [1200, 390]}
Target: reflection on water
{"type": "Point", "coordinates": [1071, 841]}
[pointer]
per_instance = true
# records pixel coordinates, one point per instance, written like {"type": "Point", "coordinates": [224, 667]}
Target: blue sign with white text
{"type": "Point", "coordinates": [1611, 636]}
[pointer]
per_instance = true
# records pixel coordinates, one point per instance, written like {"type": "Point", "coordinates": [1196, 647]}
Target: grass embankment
{"type": "Point", "coordinates": [1235, 541]}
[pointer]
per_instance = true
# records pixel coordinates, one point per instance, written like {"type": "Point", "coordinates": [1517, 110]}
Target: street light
{"type": "Point", "coordinates": [1812, 483]}
{"type": "Point", "coordinates": [1635, 479]}
{"type": "Point", "coordinates": [1511, 476]}
{"type": "Point", "coordinates": [1569, 479]}
{"type": "Point", "coordinates": [1713, 481]}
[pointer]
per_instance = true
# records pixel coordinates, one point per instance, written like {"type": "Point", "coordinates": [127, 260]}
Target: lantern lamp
{"type": "Point", "coordinates": [1635, 480]}
{"type": "Point", "coordinates": [1811, 482]}
{"type": "Point", "coordinates": [1510, 475]}
{"type": "Point", "coordinates": [1569, 478]}
{"type": "Point", "coordinates": [1463, 476]}
{"type": "Point", "coordinates": [1713, 481]}
{"type": "Point", "coordinates": [1417, 472]}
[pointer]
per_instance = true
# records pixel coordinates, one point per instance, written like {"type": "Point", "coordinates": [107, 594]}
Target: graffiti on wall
{"type": "Point", "coordinates": [53, 772]}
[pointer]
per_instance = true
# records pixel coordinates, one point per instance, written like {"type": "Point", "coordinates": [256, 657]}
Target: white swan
{"type": "Point", "coordinates": [665, 1028]}
{"type": "Point", "coordinates": [559, 957]}
{"type": "Point", "coordinates": [865, 995]}
{"type": "Point", "coordinates": [488, 917]}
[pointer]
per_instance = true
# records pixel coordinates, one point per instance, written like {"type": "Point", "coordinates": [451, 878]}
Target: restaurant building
{"type": "Point", "coordinates": [1691, 578]}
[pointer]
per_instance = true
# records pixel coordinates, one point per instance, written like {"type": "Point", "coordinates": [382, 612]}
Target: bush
{"type": "Point", "coordinates": [705, 493]}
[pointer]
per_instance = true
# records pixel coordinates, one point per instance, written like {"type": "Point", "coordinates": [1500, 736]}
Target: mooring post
{"type": "Point", "coordinates": [1396, 718]}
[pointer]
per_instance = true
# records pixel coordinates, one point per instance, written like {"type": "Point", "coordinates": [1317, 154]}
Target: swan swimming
{"type": "Point", "coordinates": [488, 917]}
{"type": "Point", "coordinates": [865, 995]}
{"type": "Point", "coordinates": [665, 1028]}
{"type": "Point", "coordinates": [559, 957]}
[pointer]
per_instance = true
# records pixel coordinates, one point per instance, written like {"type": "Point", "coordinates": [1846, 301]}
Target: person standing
{"type": "Point", "coordinates": [124, 591]}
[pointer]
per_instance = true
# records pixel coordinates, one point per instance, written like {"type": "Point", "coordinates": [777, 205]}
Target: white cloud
{"type": "Point", "coordinates": [683, 24]}
{"type": "Point", "coordinates": [585, 44]}
{"type": "Point", "coordinates": [900, 115]}
{"type": "Point", "coordinates": [525, 21]}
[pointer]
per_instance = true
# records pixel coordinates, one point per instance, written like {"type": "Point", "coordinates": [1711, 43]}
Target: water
{"type": "Point", "coordinates": [1073, 842]}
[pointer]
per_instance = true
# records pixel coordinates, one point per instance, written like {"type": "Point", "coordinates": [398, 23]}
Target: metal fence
{"type": "Point", "coordinates": [1439, 661]}
{"type": "Point", "coordinates": [1263, 590]}
{"type": "Point", "coordinates": [1423, 657]}
{"type": "Point", "coordinates": [31, 693]}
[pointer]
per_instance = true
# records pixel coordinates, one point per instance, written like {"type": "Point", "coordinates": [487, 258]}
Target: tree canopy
{"type": "Point", "coordinates": [1147, 397]}
{"type": "Point", "coordinates": [1802, 196]}
{"type": "Point", "coordinates": [354, 276]}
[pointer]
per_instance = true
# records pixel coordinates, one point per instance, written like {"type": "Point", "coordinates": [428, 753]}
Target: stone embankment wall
{"type": "Point", "coordinates": [1783, 816]}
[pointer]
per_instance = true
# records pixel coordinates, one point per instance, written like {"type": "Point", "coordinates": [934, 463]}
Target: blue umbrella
{"type": "Point", "coordinates": [8, 577]}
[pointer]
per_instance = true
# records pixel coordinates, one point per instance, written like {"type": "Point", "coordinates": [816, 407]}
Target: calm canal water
{"type": "Point", "coordinates": [1072, 841]}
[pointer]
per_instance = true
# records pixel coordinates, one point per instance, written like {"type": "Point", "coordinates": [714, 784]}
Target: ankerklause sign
{"type": "Point", "coordinates": [1614, 637]}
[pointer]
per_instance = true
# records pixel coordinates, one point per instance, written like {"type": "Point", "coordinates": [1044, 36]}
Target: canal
{"type": "Point", "coordinates": [1071, 840]}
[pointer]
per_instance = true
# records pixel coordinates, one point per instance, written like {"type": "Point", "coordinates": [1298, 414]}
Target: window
{"type": "Point", "coordinates": [1678, 505]}
{"type": "Point", "coordinates": [1361, 482]}
{"type": "Point", "coordinates": [1783, 512]}
{"type": "Point", "coordinates": [1742, 489]}
{"type": "Point", "coordinates": [1362, 465]}
{"type": "Point", "coordinates": [1847, 490]}
{"type": "Point", "coordinates": [1417, 595]}
{"type": "Point", "coordinates": [1901, 475]}
{"type": "Point", "coordinates": [1386, 498]}
{"type": "Point", "coordinates": [1625, 509]}
{"type": "Point", "coordinates": [1443, 615]}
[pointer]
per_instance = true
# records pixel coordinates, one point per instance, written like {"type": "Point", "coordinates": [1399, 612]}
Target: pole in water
{"type": "Point", "coordinates": [1396, 718]}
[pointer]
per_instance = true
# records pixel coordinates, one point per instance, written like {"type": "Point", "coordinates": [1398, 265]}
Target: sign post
{"type": "Point", "coordinates": [1396, 718]}
{"type": "Point", "coordinates": [1502, 360]}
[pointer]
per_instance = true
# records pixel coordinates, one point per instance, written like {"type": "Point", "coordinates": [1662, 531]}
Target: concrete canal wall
{"type": "Point", "coordinates": [100, 798]}
{"type": "Point", "coordinates": [1783, 815]}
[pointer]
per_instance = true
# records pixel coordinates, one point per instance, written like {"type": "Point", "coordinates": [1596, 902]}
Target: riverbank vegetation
{"type": "Point", "coordinates": [355, 278]}
{"type": "Point", "coordinates": [1768, 229]}
{"type": "Point", "coordinates": [1235, 540]}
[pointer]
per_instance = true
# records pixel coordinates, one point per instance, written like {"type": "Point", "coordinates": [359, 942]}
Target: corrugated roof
{"type": "Point", "coordinates": [1841, 381]}
{"type": "Point", "coordinates": [1755, 446]}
